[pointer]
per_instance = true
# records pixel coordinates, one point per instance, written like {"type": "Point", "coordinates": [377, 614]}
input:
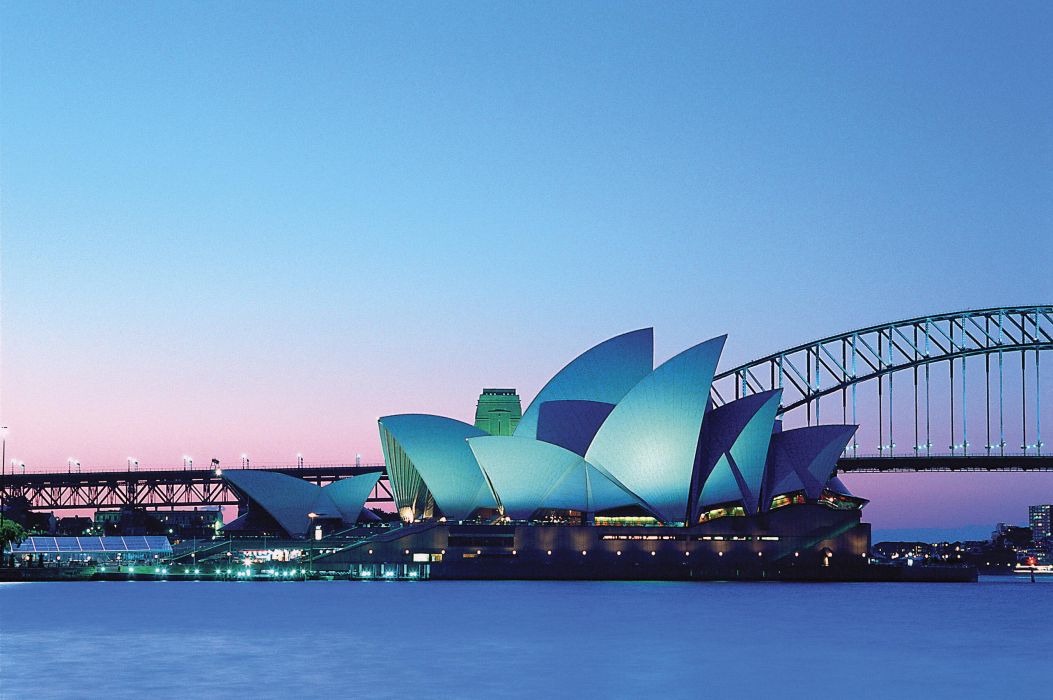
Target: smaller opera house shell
{"type": "Point", "coordinates": [287, 506]}
{"type": "Point", "coordinates": [610, 440]}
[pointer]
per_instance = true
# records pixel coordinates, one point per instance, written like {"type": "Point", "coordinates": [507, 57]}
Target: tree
{"type": "Point", "coordinates": [11, 534]}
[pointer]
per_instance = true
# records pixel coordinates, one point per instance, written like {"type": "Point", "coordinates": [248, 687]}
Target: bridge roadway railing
{"type": "Point", "coordinates": [160, 487]}
{"type": "Point", "coordinates": [877, 464]}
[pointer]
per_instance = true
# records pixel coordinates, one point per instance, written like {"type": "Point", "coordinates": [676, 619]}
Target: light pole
{"type": "Point", "coordinates": [244, 461]}
{"type": "Point", "coordinates": [3, 465]}
{"type": "Point", "coordinates": [299, 460]}
{"type": "Point", "coordinates": [310, 543]}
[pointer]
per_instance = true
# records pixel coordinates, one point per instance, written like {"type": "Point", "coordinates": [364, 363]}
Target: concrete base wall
{"type": "Point", "coordinates": [802, 537]}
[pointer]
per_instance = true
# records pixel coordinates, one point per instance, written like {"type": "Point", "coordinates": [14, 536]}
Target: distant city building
{"type": "Point", "coordinates": [1039, 519]}
{"type": "Point", "coordinates": [989, 557]}
{"type": "Point", "coordinates": [1011, 537]}
{"type": "Point", "coordinates": [498, 411]}
{"type": "Point", "coordinates": [74, 525]}
{"type": "Point", "coordinates": [179, 524]}
{"type": "Point", "coordinates": [897, 550]}
{"type": "Point", "coordinates": [107, 518]}
{"type": "Point", "coordinates": [191, 523]}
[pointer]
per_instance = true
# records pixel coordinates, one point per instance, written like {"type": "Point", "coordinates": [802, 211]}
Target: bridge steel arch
{"type": "Point", "coordinates": [840, 365]}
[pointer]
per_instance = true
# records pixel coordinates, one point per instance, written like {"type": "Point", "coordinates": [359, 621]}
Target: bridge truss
{"type": "Point", "coordinates": [159, 488]}
{"type": "Point", "coordinates": [924, 387]}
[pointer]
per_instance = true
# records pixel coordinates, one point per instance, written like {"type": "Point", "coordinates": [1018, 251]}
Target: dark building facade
{"type": "Point", "coordinates": [782, 544]}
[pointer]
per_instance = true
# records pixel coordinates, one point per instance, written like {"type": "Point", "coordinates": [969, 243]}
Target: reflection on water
{"type": "Point", "coordinates": [522, 639]}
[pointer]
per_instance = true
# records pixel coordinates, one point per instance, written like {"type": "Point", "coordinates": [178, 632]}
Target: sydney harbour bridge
{"type": "Point", "coordinates": [958, 391]}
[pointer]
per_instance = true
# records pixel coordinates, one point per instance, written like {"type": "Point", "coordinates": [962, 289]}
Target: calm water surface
{"type": "Point", "coordinates": [523, 639]}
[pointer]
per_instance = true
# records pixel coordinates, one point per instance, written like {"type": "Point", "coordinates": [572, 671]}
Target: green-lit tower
{"type": "Point", "coordinates": [498, 411]}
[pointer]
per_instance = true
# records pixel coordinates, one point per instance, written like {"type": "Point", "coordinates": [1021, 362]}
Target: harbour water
{"type": "Point", "coordinates": [523, 639]}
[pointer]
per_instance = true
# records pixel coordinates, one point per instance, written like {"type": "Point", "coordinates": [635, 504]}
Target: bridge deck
{"type": "Point", "coordinates": [162, 488]}
{"type": "Point", "coordinates": [173, 488]}
{"type": "Point", "coordinates": [946, 463]}
{"type": "Point", "coordinates": [310, 473]}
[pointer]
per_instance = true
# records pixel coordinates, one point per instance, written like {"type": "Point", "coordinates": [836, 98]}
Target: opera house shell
{"type": "Point", "coordinates": [279, 504]}
{"type": "Point", "coordinates": [612, 439]}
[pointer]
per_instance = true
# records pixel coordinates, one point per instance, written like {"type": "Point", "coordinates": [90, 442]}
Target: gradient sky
{"type": "Point", "coordinates": [255, 227]}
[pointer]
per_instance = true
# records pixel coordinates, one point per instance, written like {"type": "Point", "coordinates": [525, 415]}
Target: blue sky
{"type": "Point", "coordinates": [255, 227]}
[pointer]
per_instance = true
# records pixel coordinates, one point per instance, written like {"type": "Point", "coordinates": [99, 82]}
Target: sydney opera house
{"type": "Point", "coordinates": [616, 469]}
{"type": "Point", "coordinates": [286, 506]}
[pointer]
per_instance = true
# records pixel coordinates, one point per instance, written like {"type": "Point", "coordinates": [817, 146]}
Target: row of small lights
{"type": "Point", "coordinates": [585, 552]}
{"type": "Point", "coordinates": [188, 462]}
{"type": "Point", "coordinates": [366, 574]}
{"type": "Point", "coordinates": [219, 572]}
{"type": "Point", "coordinates": [964, 446]}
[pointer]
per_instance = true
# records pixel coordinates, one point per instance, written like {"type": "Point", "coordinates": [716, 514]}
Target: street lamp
{"type": "Point", "coordinates": [310, 541]}
{"type": "Point", "coordinates": [3, 464]}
